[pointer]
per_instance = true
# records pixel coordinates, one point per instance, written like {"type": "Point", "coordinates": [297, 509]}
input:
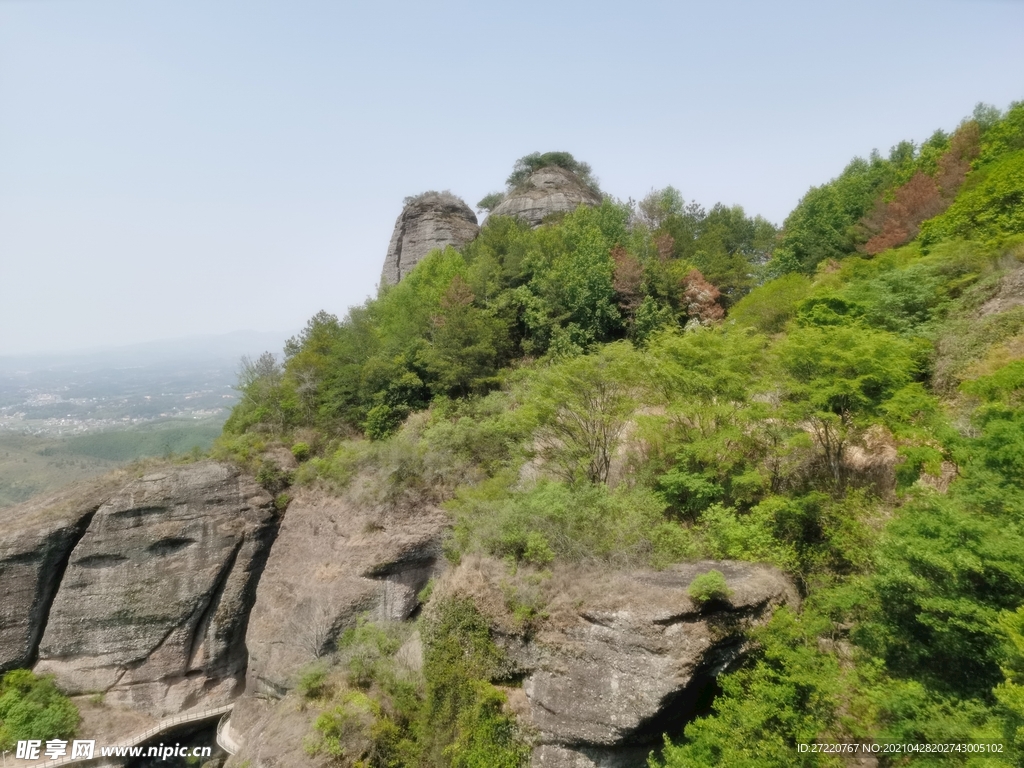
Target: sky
{"type": "Point", "coordinates": [170, 168]}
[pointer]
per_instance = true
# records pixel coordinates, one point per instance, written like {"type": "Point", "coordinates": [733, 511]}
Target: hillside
{"type": "Point", "coordinates": [621, 485]}
{"type": "Point", "coordinates": [649, 385]}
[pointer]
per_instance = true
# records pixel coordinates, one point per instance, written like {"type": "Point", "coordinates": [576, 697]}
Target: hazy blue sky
{"type": "Point", "coordinates": [170, 168]}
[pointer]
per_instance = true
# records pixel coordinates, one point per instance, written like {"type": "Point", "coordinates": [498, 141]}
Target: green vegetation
{"type": "Point", "coordinates": [164, 439]}
{"type": "Point", "coordinates": [31, 464]}
{"type": "Point", "coordinates": [31, 707]}
{"type": "Point", "coordinates": [654, 384]}
{"type": "Point", "coordinates": [709, 587]}
{"type": "Point", "coordinates": [534, 162]}
{"type": "Point", "coordinates": [376, 712]}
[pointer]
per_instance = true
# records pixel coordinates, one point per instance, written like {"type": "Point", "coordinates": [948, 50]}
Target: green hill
{"type": "Point", "coordinates": [643, 385]}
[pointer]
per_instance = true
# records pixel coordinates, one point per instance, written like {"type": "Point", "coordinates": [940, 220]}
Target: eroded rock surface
{"type": "Point", "coordinates": [433, 220]}
{"type": "Point", "coordinates": [547, 191]}
{"type": "Point", "coordinates": [624, 657]}
{"type": "Point", "coordinates": [333, 562]}
{"type": "Point", "coordinates": [154, 603]}
{"type": "Point", "coordinates": [36, 539]}
{"type": "Point", "coordinates": [1010, 294]}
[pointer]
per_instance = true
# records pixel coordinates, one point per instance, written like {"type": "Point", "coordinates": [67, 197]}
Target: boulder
{"type": "Point", "coordinates": [430, 221]}
{"type": "Point", "coordinates": [154, 602]}
{"type": "Point", "coordinates": [334, 561]}
{"type": "Point", "coordinates": [622, 657]}
{"type": "Point", "coordinates": [546, 191]}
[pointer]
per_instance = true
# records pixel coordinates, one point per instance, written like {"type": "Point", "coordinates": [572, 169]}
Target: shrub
{"type": "Point", "coordinates": [490, 202]}
{"type": "Point", "coordinates": [528, 164]}
{"type": "Point", "coordinates": [572, 524]}
{"type": "Point", "coordinates": [468, 724]}
{"type": "Point", "coordinates": [709, 587]}
{"type": "Point", "coordinates": [31, 707]}
{"type": "Point", "coordinates": [301, 451]}
{"type": "Point", "coordinates": [313, 683]}
{"type": "Point", "coordinates": [382, 420]}
{"type": "Point", "coordinates": [272, 477]}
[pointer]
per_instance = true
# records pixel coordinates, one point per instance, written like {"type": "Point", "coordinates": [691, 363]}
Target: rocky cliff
{"type": "Point", "coordinates": [547, 191]}
{"type": "Point", "coordinates": [35, 544]}
{"type": "Point", "coordinates": [140, 588]}
{"type": "Point", "coordinates": [622, 657]}
{"type": "Point", "coordinates": [335, 561]}
{"type": "Point", "coordinates": [428, 221]}
{"type": "Point", "coordinates": [183, 586]}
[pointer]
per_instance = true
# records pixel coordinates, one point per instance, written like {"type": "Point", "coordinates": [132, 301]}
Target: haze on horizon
{"type": "Point", "coordinates": [190, 168]}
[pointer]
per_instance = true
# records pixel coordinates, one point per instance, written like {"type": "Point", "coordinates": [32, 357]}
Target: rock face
{"type": "Point", "coordinates": [549, 190]}
{"type": "Point", "coordinates": [1010, 294]}
{"type": "Point", "coordinates": [37, 540]}
{"type": "Point", "coordinates": [623, 658]}
{"type": "Point", "coordinates": [429, 221]}
{"type": "Point", "coordinates": [154, 602]}
{"type": "Point", "coordinates": [334, 561]}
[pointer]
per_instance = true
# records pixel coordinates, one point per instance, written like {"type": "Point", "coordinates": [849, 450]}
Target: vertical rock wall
{"type": "Point", "coordinates": [433, 220]}
{"type": "Point", "coordinates": [154, 602]}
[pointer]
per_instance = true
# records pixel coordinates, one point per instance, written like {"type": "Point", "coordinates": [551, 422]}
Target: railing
{"type": "Point", "coordinates": [141, 738]}
{"type": "Point", "coordinates": [224, 738]}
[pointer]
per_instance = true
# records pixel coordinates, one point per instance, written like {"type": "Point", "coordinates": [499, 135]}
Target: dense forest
{"type": "Point", "coordinates": [842, 398]}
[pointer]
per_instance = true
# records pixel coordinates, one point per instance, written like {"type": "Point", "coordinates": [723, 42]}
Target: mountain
{"type": "Point", "coordinates": [651, 484]}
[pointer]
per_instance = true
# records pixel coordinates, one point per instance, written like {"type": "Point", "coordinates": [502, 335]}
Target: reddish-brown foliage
{"type": "Point", "coordinates": [701, 299]}
{"type": "Point", "coordinates": [956, 162]}
{"type": "Point", "coordinates": [627, 279]}
{"type": "Point", "coordinates": [899, 220]}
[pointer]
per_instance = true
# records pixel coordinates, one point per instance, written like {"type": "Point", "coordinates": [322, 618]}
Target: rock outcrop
{"type": "Point", "coordinates": [35, 544]}
{"type": "Point", "coordinates": [428, 221]}
{"type": "Point", "coordinates": [547, 191]}
{"type": "Point", "coordinates": [154, 602]}
{"type": "Point", "coordinates": [1008, 295]}
{"type": "Point", "coordinates": [622, 657]}
{"type": "Point", "coordinates": [334, 561]}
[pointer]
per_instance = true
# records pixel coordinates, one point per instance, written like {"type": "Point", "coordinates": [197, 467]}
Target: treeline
{"type": "Point", "coordinates": [598, 275]}
{"type": "Point", "coordinates": [881, 203]}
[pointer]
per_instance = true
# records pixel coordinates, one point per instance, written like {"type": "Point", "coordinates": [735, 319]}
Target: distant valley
{"type": "Point", "coordinates": [64, 418]}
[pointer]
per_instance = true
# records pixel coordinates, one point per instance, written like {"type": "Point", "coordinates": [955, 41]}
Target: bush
{"type": "Point", "coordinates": [490, 202]}
{"type": "Point", "coordinates": [313, 683]}
{"type": "Point", "coordinates": [31, 707]}
{"type": "Point", "coordinates": [572, 524]}
{"type": "Point", "coordinates": [531, 163]}
{"type": "Point", "coordinates": [709, 587]}
{"type": "Point", "coordinates": [468, 725]}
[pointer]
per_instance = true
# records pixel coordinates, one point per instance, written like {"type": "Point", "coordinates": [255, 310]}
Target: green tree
{"type": "Point", "coordinates": [822, 226]}
{"type": "Point", "coordinates": [1010, 692]}
{"type": "Point", "coordinates": [837, 375]}
{"type": "Point", "coordinates": [466, 344]}
{"type": "Point", "coordinates": [582, 406]}
{"type": "Point", "coordinates": [31, 707]}
{"type": "Point", "coordinates": [785, 695]}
